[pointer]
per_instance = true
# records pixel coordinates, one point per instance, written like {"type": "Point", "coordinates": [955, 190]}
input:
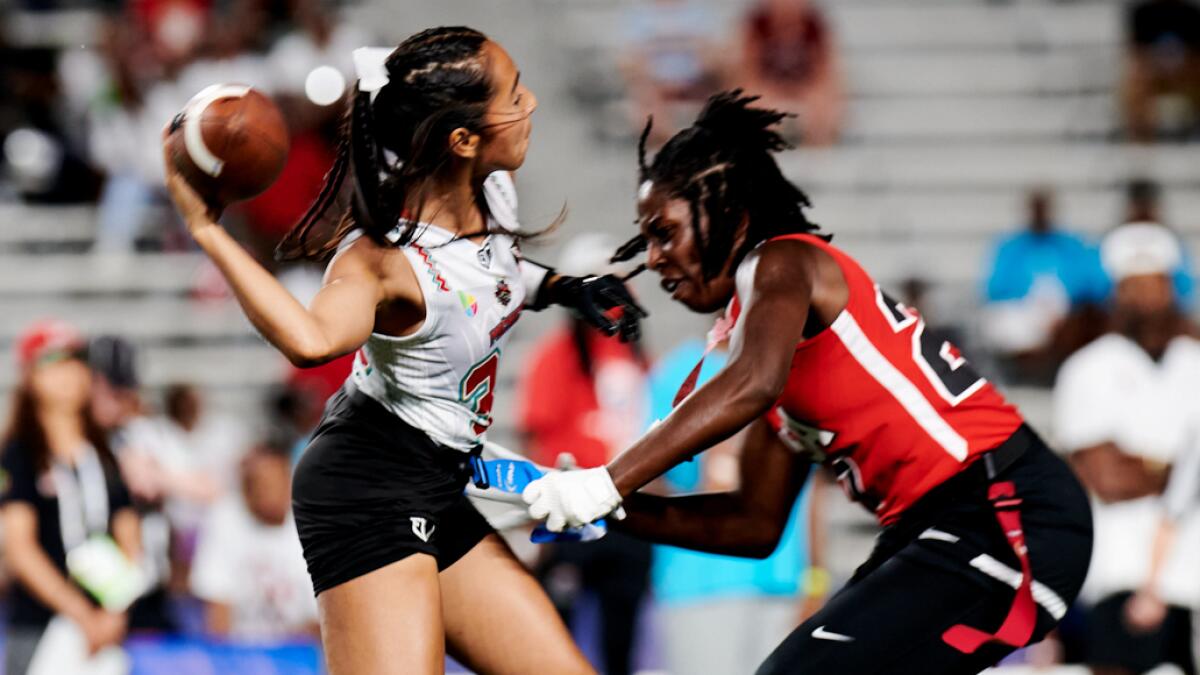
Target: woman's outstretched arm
{"type": "Point", "coordinates": [340, 317]}
{"type": "Point", "coordinates": [775, 284]}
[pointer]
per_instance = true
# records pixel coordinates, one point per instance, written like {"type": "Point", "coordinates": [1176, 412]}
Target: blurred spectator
{"type": "Point", "coordinates": [214, 442]}
{"type": "Point", "coordinates": [318, 38]}
{"type": "Point", "coordinates": [585, 394]}
{"type": "Point", "coordinates": [156, 464]}
{"type": "Point", "coordinates": [119, 127]}
{"type": "Point", "coordinates": [158, 55]}
{"type": "Point", "coordinates": [790, 58]}
{"type": "Point", "coordinates": [1038, 278]}
{"type": "Point", "coordinates": [1143, 204]}
{"type": "Point", "coordinates": [39, 154]}
{"type": "Point", "coordinates": [1125, 409]}
{"type": "Point", "coordinates": [61, 489]}
{"type": "Point", "coordinates": [311, 66]}
{"type": "Point", "coordinates": [721, 615]}
{"type": "Point", "coordinates": [672, 61]}
{"type": "Point", "coordinates": [1146, 610]}
{"type": "Point", "coordinates": [292, 414]}
{"type": "Point", "coordinates": [249, 569]}
{"type": "Point", "coordinates": [1161, 88]}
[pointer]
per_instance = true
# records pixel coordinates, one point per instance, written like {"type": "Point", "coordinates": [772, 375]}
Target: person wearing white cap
{"type": "Point", "coordinates": [1125, 409]}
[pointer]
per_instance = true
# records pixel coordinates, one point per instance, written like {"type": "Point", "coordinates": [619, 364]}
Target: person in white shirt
{"type": "Point", "coordinates": [1126, 411]}
{"type": "Point", "coordinates": [249, 568]}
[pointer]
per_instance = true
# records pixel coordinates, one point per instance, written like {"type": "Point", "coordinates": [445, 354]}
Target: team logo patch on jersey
{"type": "Point", "coordinates": [485, 254]}
{"type": "Point", "coordinates": [503, 292]}
{"type": "Point", "coordinates": [468, 302]}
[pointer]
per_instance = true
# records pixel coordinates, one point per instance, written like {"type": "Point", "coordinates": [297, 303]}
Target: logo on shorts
{"type": "Point", "coordinates": [821, 634]}
{"type": "Point", "coordinates": [422, 528]}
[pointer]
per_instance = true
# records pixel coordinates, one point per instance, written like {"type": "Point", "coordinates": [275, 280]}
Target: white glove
{"type": "Point", "coordinates": [573, 498]}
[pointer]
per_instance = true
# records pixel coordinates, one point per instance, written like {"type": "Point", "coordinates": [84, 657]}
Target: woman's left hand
{"type": "Point", "coordinates": [594, 296]}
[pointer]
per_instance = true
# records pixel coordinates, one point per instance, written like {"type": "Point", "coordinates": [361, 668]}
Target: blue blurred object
{"type": "Point", "coordinates": [1020, 259]}
{"type": "Point", "coordinates": [512, 476]}
{"type": "Point", "coordinates": [190, 656]}
{"type": "Point", "coordinates": [586, 533]}
{"type": "Point", "coordinates": [681, 576]}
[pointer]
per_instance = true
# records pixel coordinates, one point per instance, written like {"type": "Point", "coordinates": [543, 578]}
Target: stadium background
{"type": "Point", "coordinates": [956, 109]}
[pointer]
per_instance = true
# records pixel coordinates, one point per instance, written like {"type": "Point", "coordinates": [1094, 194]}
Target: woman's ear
{"type": "Point", "coordinates": [464, 143]}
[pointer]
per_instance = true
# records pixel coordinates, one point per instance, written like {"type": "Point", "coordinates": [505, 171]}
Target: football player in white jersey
{"type": "Point", "coordinates": [425, 284]}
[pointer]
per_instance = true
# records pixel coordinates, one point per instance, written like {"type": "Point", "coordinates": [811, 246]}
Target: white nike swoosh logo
{"type": "Point", "coordinates": [821, 634]}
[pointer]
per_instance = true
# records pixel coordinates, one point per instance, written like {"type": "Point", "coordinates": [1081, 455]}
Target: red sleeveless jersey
{"type": "Point", "coordinates": [894, 411]}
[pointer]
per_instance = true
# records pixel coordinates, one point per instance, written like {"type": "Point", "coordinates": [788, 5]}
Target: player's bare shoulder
{"type": "Point", "coordinates": [780, 265]}
{"type": "Point", "coordinates": [368, 261]}
{"type": "Point", "coordinates": [790, 268]}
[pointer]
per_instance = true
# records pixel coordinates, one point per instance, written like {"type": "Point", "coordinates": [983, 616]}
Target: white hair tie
{"type": "Point", "coordinates": [370, 64]}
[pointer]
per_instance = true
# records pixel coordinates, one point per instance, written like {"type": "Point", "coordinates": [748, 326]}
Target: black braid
{"type": "Point", "coordinates": [629, 249]}
{"type": "Point", "coordinates": [724, 166]}
{"type": "Point", "coordinates": [294, 245]}
{"type": "Point", "coordinates": [642, 168]}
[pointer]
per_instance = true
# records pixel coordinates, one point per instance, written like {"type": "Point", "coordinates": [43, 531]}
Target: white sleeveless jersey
{"type": "Point", "coordinates": [442, 378]}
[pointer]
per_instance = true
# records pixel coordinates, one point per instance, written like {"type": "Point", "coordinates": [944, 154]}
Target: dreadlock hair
{"type": "Point", "coordinates": [437, 82]}
{"type": "Point", "coordinates": [724, 166]}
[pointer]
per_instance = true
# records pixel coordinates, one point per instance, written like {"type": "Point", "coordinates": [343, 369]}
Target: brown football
{"type": "Point", "coordinates": [230, 142]}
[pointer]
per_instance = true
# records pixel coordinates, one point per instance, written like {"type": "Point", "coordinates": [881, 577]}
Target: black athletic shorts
{"type": "Point", "coordinates": [947, 562]}
{"type": "Point", "coordinates": [371, 489]}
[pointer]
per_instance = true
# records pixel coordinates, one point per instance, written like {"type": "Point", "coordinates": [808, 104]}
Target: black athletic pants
{"type": "Point", "coordinates": [944, 563]}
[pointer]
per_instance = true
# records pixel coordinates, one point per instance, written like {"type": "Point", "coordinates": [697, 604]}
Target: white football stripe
{"type": "Point", "coordinates": [193, 136]}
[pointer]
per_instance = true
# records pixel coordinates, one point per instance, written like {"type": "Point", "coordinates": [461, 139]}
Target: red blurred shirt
{"type": "Point", "coordinates": [562, 409]}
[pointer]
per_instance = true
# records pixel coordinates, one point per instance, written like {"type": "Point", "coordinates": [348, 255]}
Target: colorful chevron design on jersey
{"type": "Point", "coordinates": [434, 275]}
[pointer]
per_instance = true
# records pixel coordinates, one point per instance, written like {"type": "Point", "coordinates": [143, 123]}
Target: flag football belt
{"type": "Point", "coordinates": [1018, 625]}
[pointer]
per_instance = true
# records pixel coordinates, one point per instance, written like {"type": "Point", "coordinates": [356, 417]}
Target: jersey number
{"type": "Point", "coordinates": [478, 389]}
{"type": "Point", "coordinates": [945, 368]}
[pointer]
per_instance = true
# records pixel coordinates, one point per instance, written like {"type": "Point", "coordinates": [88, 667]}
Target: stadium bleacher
{"type": "Point", "coordinates": [956, 109]}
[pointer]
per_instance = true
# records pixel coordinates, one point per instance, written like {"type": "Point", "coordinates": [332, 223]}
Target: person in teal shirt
{"type": "Point", "coordinates": [721, 614]}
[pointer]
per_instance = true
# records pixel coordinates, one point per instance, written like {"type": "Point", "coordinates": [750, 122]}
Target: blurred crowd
{"type": "Point", "coordinates": [199, 503]}
{"type": "Point", "coordinates": [84, 125]}
{"type": "Point", "coordinates": [202, 501]}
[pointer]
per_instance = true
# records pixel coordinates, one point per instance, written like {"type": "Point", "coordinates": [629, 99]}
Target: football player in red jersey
{"type": "Point", "coordinates": [987, 533]}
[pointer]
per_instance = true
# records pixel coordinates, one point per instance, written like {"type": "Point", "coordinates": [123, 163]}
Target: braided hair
{"type": "Point", "coordinates": [438, 81]}
{"type": "Point", "coordinates": [724, 166]}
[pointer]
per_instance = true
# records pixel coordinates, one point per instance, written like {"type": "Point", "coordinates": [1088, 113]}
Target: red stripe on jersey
{"type": "Point", "coordinates": [892, 409]}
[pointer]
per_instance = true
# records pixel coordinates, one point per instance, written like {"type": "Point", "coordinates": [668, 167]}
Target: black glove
{"type": "Point", "coordinates": [591, 297]}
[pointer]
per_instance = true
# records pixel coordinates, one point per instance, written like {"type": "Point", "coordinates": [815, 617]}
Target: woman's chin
{"type": "Point", "coordinates": [698, 305]}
